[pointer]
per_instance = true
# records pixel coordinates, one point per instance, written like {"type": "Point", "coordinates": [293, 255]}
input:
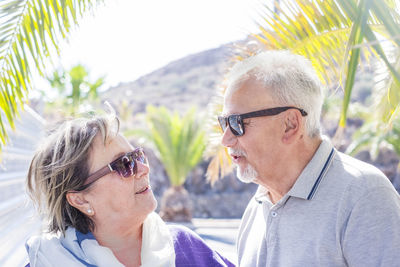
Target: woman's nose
{"type": "Point", "coordinates": [142, 169]}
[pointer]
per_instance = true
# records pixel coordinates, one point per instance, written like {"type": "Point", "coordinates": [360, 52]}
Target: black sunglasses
{"type": "Point", "coordinates": [125, 166]}
{"type": "Point", "coordinates": [235, 121]}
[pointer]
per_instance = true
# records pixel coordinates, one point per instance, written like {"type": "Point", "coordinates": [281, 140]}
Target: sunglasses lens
{"type": "Point", "coordinates": [235, 125]}
{"type": "Point", "coordinates": [125, 166]}
{"type": "Point", "coordinates": [140, 156]}
{"type": "Point", "coordinates": [222, 122]}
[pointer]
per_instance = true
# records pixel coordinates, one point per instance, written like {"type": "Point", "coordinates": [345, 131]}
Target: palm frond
{"type": "Point", "coordinates": [221, 163]}
{"type": "Point", "coordinates": [314, 29]}
{"type": "Point", "coordinates": [30, 30]}
{"type": "Point", "coordinates": [317, 29]}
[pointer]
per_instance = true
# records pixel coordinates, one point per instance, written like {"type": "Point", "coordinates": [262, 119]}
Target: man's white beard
{"type": "Point", "coordinates": [247, 175]}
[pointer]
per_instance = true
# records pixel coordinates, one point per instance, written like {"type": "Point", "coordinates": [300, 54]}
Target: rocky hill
{"type": "Point", "coordinates": [179, 85]}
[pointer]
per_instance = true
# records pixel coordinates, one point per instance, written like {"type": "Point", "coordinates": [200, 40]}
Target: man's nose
{"type": "Point", "coordinates": [142, 169]}
{"type": "Point", "coordinates": [228, 138]}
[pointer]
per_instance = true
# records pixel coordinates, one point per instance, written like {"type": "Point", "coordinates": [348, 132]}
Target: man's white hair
{"type": "Point", "coordinates": [289, 79]}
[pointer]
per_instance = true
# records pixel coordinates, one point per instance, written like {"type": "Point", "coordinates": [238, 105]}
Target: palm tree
{"type": "Point", "coordinates": [179, 143]}
{"type": "Point", "coordinates": [337, 36]}
{"type": "Point", "coordinates": [29, 35]}
{"type": "Point", "coordinates": [74, 89]}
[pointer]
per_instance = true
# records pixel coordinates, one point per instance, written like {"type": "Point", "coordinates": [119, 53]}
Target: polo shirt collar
{"type": "Point", "coordinates": [307, 183]}
{"type": "Point", "coordinates": [261, 195]}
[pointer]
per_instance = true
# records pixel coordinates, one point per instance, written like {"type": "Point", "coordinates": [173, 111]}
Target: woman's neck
{"type": "Point", "coordinates": [125, 244]}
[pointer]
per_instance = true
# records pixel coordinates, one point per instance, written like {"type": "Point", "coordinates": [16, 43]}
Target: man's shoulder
{"type": "Point", "coordinates": [351, 179]}
{"type": "Point", "coordinates": [358, 172]}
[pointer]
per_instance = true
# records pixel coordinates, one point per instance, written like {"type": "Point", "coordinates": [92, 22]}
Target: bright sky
{"type": "Point", "coordinates": [126, 39]}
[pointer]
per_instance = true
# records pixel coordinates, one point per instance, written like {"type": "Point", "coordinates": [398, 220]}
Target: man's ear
{"type": "Point", "coordinates": [77, 200]}
{"type": "Point", "coordinates": [293, 120]}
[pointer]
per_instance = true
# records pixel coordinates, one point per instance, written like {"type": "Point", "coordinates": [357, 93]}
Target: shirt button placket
{"type": "Point", "coordinates": [271, 228]}
{"type": "Point", "coordinates": [273, 222]}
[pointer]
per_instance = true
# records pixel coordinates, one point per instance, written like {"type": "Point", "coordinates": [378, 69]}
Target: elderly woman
{"type": "Point", "coordinates": [93, 187]}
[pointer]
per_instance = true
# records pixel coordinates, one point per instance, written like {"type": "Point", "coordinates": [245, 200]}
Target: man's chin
{"type": "Point", "coordinates": [247, 175]}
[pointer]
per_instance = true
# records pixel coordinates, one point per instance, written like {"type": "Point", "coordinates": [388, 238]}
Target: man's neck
{"type": "Point", "coordinates": [290, 169]}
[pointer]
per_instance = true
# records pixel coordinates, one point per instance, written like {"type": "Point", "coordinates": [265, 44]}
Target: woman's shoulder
{"type": "Point", "coordinates": [191, 250]}
{"type": "Point", "coordinates": [183, 233]}
{"type": "Point", "coordinates": [39, 245]}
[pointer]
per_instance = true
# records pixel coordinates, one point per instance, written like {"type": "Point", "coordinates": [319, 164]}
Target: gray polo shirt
{"type": "Point", "coordinates": [340, 212]}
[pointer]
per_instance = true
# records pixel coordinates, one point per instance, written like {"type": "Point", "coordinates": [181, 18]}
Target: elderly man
{"type": "Point", "coordinates": [314, 205]}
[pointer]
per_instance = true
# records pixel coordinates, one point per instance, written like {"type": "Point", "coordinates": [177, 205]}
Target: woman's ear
{"type": "Point", "coordinates": [77, 200]}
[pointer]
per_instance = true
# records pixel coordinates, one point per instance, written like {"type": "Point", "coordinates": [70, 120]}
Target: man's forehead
{"type": "Point", "coordinates": [246, 95]}
{"type": "Point", "coordinates": [247, 86]}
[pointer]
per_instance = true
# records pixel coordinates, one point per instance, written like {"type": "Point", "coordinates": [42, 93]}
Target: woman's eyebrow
{"type": "Point", "coordinates": [118, 155]}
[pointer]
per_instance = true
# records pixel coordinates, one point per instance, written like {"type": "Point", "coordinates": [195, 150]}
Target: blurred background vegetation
{"type": "Point", "coordinates": [179, 142]}
{"type": "Point", "coordinates": [74, 92]}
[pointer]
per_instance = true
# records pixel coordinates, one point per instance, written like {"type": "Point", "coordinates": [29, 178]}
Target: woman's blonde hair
{"type": "Point", "coordinates": [61, 164]}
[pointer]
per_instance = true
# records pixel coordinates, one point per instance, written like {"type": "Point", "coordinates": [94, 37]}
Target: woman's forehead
{"type": "Point", "coordinates": [105, 152]}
